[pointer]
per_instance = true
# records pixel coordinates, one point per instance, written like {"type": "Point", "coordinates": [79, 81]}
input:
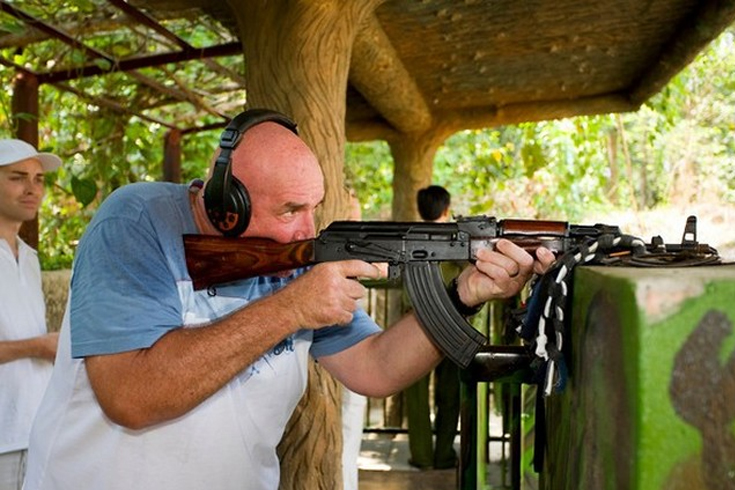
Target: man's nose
{"type": "Point", "coordinates": [306, 229]}
{"type": "Point", "coordinates": [34, 187]}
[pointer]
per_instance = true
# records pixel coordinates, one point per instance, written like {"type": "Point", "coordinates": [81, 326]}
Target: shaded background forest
{"type": "Point", "coordinates": [645, 171]}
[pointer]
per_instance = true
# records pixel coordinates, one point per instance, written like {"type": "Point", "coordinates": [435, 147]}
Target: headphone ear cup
{"type": "Point", "coordinates": [226, 199]}
{"type": "Point", "coordinates": [238, 209]}
{"type": "Point", "coordinates": [228, 211]}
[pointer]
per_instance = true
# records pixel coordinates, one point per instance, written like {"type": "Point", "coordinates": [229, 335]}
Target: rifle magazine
{"type": "Point", "coordinates": [449, 330]}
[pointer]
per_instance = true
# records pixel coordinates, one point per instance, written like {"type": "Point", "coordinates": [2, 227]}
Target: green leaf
{"type": "Point", "coordinates": [11, 26]}
{"type": "Point", "coordinates": [103, 63]}
{"type": "Point", "coordinates": [85, 190]}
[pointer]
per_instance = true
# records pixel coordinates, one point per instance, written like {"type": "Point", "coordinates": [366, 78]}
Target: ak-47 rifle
{"type": "Point", "coordinates": [413, 251]}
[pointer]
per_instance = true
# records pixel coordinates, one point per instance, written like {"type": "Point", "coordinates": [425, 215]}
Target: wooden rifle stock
{"type": "Point", "coordinates": [217, 259]}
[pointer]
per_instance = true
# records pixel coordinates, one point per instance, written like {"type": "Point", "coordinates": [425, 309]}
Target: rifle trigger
{"type": "Point", "coordinates": [394, 272]}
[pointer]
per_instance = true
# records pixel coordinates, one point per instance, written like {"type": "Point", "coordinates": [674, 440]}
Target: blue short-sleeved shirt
{"type": "Point", "coordinates": [130, 275]}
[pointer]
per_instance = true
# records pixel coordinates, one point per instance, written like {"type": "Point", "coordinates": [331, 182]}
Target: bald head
{"type": "Point", "coordinates": [284, 181]}
{"type": "Point", "coordinates": [270, 149]}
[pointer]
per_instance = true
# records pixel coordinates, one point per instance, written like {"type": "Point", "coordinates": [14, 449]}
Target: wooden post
{"type": "Point", "coordinates": [25, 115]}
{"type": "Point", "coordinates": [172, 156]}
{"type": "Point", "coordinates": [310, 86]}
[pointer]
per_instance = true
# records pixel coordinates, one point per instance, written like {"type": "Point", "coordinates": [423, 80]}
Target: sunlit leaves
{"type": "Point", "coordinates": [10, 25]}
{"type": "Point", "coordinates": [369, 171]}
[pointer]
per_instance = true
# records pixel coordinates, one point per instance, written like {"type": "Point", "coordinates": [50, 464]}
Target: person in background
{"type": "Point", "coordinates": [27, 350]}
{"type": "Point", "coordinates": [434, 206]}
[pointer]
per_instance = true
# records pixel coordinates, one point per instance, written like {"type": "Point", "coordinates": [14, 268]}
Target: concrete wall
{"type": "Point", "coordinates": [651, 400]}
{"type": "Point", "coordinates": [56, 292]}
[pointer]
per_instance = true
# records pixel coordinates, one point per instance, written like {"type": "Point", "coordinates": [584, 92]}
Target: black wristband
{"type": "Point", "coordinates": [462, 308]}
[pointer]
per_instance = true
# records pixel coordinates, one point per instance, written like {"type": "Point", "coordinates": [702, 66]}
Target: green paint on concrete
{"type": "Point", "coordinates": [628, 330]}
{"type": "Point", "coordinates": [669, 440]}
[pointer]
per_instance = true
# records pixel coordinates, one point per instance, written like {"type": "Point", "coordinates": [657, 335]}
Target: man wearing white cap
{"type": "Point", "coordinates": [26, 349]}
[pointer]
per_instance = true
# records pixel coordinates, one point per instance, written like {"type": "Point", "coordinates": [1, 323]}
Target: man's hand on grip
{"type": "Point", "coordinates": [329, 293]}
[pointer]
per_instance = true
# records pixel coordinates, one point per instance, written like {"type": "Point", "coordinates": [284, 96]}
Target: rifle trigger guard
{"type": "Point", "coordinates": [436, 314]}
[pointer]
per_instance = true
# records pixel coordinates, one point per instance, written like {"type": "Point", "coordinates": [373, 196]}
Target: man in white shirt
{"type": "Point", "coordinates": [27, 350]}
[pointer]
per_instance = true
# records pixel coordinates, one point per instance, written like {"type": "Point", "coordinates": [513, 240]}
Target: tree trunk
{"type": "Point", "coordinates": [297, 56]}
{"type": "Point", "coordinates": [612, 160]}
{"type": "Point", "coordinates": [414, 166]}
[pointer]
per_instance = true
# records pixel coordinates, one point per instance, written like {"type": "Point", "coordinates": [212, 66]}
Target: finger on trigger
{"type": "Point", "coordinates": [360, 269]}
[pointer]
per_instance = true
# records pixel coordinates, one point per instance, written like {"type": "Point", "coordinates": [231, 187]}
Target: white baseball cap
{"type": "Point", "coordinates": [14, 151]}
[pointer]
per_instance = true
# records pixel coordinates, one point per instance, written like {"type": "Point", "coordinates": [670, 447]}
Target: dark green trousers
{"type": "Point", "coordinates": [446, 401]}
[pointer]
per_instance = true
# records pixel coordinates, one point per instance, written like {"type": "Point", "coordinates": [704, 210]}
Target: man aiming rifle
{"type": "Point", "coordinates": [159, 385]}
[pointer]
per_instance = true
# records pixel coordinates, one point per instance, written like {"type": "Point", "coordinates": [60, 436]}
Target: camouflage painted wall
{"type": "Point", "coordinates": [651, 399]}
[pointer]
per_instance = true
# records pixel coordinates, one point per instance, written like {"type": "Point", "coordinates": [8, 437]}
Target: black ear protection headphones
{"type": "Point", "coordinates": [226, 199]}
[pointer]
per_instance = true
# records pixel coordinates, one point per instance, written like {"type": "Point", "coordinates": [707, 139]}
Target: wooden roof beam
{"type": "Point", "coordinates": [450, 122]}
{"type": "Point", "coordinates": [116, 106]}
{"type": "Point", "coordinates": [52, 31]}
{"type": "Point", "coordinates": [179, 94]}
{"type": "Point", "coordinates": [95, 22]}
{"type": "Point", "coordinates": [70, 41]}
{"type": "Point", "coordinates": [535, 111]}
{"type": "Point", "coordinates": [380, 76]}
{"type": "Point", "coordinates": [146, 20]}
{"type": "Point", "coordinates": [111, 104]}
{"type": "Point", "coordinates": [690, 39]}
{"type": "Point", "coordinates": [130, 64]}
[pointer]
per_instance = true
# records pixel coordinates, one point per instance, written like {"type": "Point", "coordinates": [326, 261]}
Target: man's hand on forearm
{"type": "Point", "coordinates": [500, 273]}
{"type": "Point", "coordinates": [42, 347]}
